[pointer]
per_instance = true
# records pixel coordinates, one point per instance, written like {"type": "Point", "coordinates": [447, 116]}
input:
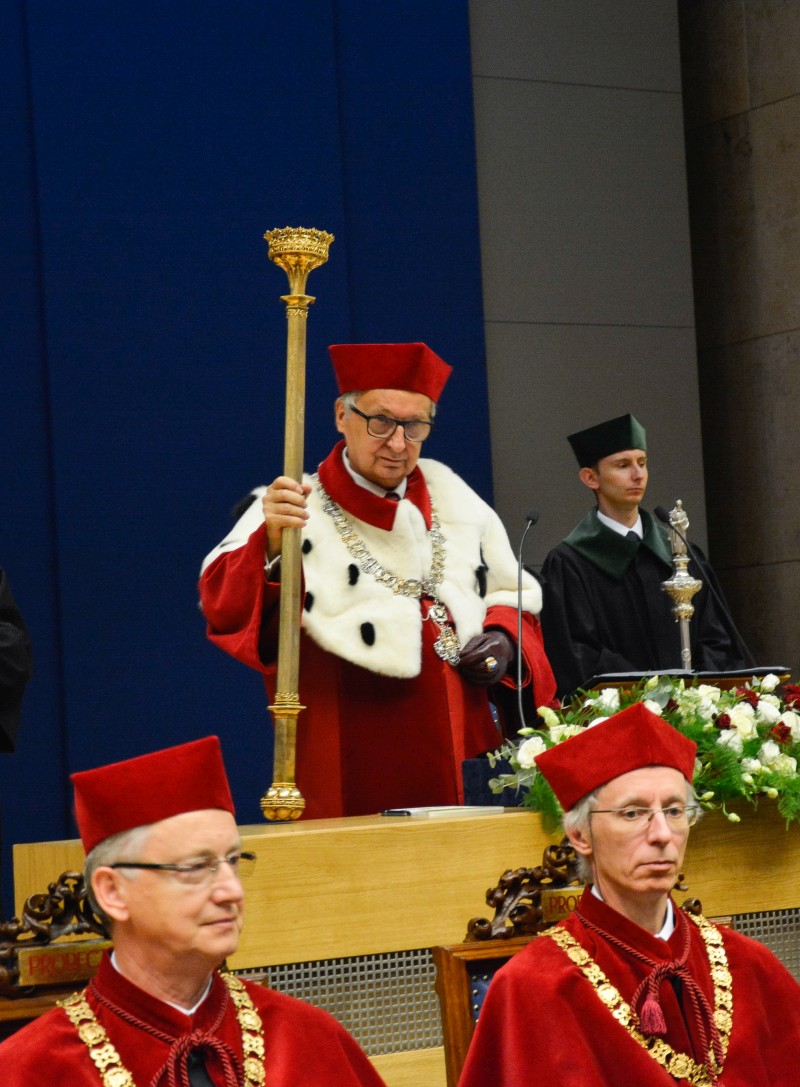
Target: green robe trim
{"type": "Point", "coordinates": [613, 553]}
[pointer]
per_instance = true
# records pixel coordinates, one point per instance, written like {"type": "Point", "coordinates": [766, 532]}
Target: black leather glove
{"type": "Point", "coordinates": [486, 657]}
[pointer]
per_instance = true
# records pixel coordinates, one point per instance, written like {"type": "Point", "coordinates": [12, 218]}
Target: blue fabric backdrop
{"type": "Point", "coordinates": [146, 147]}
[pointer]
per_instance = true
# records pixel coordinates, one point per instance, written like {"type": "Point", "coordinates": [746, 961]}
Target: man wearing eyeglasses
{"type": "Point", "coordinates": [630, 989]}
{"type": "Point", "coordinates": [409, 624]}
{"type": "Point", "coordinates": [163, 868]}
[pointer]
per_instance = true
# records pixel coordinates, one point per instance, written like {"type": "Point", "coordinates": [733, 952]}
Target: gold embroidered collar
{"type": "Point", "coordinates": [679, 1065]}
{"type": "Point", "coordinates": [113, 1072]}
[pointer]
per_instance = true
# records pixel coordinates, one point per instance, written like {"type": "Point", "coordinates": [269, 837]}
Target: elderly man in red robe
{"type": "Point", "coordinates": [409, 623]}
{"type": "Point", "coordinates": [163, 862]}
{"type": "Point", "coordinates": [630, 990]}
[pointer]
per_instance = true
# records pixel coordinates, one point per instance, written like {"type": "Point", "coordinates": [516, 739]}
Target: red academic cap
{"type": "Point", "coordinates": [144, 790]}
{"type": "Point", "coordinates": [412, 367]}
{"type": "Point", "coordinates": [629, 740]}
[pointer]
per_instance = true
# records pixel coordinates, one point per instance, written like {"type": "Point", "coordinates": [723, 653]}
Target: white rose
{"type": "Point", "coordinates": [708, 693]}
{"type": "Point", "coordinates": [706, 709]}
{"type": "Point", "coordinates": [770, 682]}
{"type": "Point", "coordinates": [653, 706]}
{"type": "Point", "coordinates": [766, 712]}
{"type": "Point", "coordinates": [550, 717]}
{"type": "Point", "coordinates": [561, 732]}
{"type": "Point", "coordinates": [743, 721]}
{"type": "Point", "coordinates": [597, 721]}
{"type": "Point", "coordinates": [731, 738]}
{"type": "Point", "coordinates": [775, 759]}
{"type": "Point", "coordinates": [769, 752]}
{"type": "Point", "coordinates": [752, 766]}
{"type": "Point", "coordinates": [785, 765]}
{"type": "Point", "coordinates": [527, 752]}
{"type": "Point", "coordinates": [697, 701]}
{"type": "Point", "coordinates": [792, 719]}
{"type": "Point", "coordinates": [607, 700]}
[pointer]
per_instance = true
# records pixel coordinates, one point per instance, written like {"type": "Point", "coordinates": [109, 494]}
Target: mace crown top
{"type": "Point", "coordinates": [299, 239]}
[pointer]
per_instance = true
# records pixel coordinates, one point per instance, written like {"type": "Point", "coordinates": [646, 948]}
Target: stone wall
{"type": "Point", "coordinates": [741, 78]}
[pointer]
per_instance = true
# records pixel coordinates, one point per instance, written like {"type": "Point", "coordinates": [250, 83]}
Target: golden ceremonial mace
{"type": "Point", "coordinates": [298, 250]}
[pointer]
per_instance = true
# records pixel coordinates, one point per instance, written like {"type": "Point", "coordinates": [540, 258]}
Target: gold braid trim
{"type": "Point", "coordinates": [113, 1072]}
{"type": "Point", "coordinates": [679, 1065]}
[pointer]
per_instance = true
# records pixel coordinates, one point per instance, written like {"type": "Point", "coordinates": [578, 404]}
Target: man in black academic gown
{"type": "Point", "coordinates": [604, 609]}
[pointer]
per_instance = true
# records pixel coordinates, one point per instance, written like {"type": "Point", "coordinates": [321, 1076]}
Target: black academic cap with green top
{"type": "Point", "coordinates": [591, 445]}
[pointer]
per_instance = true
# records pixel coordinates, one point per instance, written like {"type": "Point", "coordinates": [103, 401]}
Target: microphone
{"type": "Point", "coordinates": [663, 515]}
{"type": "Point", "coordinates": [531, 518]}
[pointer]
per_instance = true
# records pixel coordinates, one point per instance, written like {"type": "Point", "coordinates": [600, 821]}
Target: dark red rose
{"type": "Point", "coordinates": [747, 694]}
{"type": "Point", "coordinates": [791, 694]}
{"type": "Point", "coordinates": [782, 733]}
{"type": "Point", "coordinates": [723, 721]}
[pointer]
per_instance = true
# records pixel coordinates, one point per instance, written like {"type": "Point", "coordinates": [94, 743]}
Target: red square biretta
{"type": "Point", "coordinates": [412, 367]}
{"type": "Point", "coordinates": [144, 790]}
{"type": "Point", "coordinates": [633, 738]}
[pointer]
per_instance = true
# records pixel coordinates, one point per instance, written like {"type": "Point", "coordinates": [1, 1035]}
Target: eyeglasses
{"type": "Point", "coordinates": [678, 816]}
{"type": "Point", "coordinates": [198, 873]}
{"type": "Point", "coordinates": [382, 426]}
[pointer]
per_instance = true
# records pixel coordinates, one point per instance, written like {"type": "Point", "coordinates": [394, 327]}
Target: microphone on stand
{"type": "Point", "coordinates": [531, 518]}
{"type": "Point", "coordinates": [663, 515]}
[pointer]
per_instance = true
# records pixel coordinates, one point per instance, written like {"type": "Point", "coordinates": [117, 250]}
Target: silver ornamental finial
{"type": "Point", "coordinates": [681, 587]}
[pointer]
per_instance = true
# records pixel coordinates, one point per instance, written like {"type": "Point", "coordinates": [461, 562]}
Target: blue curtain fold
{"type": "Point", "coordinates": [146, 149]}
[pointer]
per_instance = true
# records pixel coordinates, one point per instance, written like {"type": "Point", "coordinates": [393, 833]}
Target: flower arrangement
{"type": "Point", "coordinates": [748, 741]}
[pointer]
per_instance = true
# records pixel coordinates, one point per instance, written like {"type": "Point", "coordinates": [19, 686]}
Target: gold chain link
{"type": "Point", "coordinates": [678, 1065]}
{"type": "Point", "coordinates": [113, 1072]}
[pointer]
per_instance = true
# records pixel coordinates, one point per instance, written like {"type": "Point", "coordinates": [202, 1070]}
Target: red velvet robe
{"type": "Point", "coordinates": [305, 1047]}
{"type": "Point", "coordinates": [542, 1021]}
{"type": "Point", "coordinates": [366, 740]}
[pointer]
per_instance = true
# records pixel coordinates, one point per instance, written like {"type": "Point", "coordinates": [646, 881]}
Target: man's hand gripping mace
{"type": "Point", "coordinates": [298, 251]}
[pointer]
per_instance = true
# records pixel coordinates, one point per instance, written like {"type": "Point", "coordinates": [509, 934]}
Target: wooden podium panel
{"type": "Point", "coordinates": [366, 885]}
{"type": "Point", "coordinates": [744, 867]}
{"type": "Point", "coordinates": [341, 887]}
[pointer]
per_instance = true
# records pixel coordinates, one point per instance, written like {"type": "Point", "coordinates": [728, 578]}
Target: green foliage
{"type": "Point", "coordinates": [748, 741]}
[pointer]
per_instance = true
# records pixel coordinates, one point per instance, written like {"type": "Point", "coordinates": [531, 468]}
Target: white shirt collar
{"type": "Point", "coordinates": [667, 928]}
{"type": "Point", "coordinates": [368, 485]}
{"type": "Point", "coordinates": [623, 530]}
{"type": "Point", "coordinates": [177, 1007]}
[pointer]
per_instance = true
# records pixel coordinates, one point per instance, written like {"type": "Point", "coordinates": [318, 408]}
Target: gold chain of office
{"type": "Point", "coordinates": [114, 1073]}
{"type": "Point", "coordinates": [679, 1065]}
{"type": "Point", "coordinates": [446, 644]}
